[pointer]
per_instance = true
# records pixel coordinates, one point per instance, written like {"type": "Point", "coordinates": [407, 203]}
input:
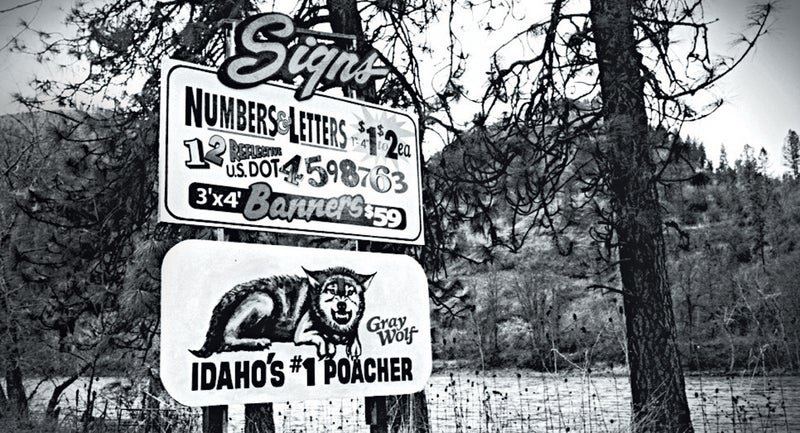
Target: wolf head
{"type": "Point", "coordinates": [338, 297]}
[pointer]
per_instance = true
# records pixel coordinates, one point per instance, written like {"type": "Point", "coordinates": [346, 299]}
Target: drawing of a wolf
{"type": "Point", "coordinates": [323, 308]}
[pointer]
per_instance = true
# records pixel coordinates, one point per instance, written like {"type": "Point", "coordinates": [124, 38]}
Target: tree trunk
{"type": "Point", "coordinates": [690, 325]}
{"type": "Point", "coordinates": [731, 349]}
{"type": "Point", "coordinates": [15, 389]}
{"type": "Point", "coordinates": [51, 411]}
{"type": "Point", "coordinates": [480, 339]}
{"type": "Point", "coordinates": [17, 400]}
{"type": "Point", "coordinates": [657, 384]}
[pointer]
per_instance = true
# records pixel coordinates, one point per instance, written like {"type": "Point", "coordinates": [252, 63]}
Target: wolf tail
{"type": "Point", "coordinates": [215, 336]}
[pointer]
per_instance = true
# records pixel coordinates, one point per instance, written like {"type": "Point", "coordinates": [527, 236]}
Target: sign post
{"type": "Point", "coordinates": [375, 411]}
{"type": "Point", "coordinates": [240, 152]}
{"type": "Point", "coordinates": [215, 419]}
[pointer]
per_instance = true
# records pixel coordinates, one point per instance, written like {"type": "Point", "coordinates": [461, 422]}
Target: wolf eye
{"type": "Point", "coordinates": [350, 290]}
{"type": "Point", "coordinates": [330, 288]}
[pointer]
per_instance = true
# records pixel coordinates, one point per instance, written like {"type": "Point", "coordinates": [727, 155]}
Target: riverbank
{"type": "Point", "coordinates": [469, 366]}
{"type": "Point", "coordinates": [510, 400]}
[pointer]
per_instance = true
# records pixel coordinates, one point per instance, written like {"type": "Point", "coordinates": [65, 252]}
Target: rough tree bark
{"type": "Point", "coordinates": [15, 389]}
{"type": "Point", "coordinates": [13, 402]}
{"type": "Point", "coordinates": [17, 401]}
{"type": "Point", "coordinates": [657, 384]}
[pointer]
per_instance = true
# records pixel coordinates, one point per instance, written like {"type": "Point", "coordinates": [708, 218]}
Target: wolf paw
{"type": "Point", "coordinates": [354, 350]}
{"type": "Point", "coordinates": [326, 350]}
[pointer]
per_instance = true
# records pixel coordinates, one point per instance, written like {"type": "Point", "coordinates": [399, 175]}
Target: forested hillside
{"type": "Point", "coordinates": [733, 235]}
{"type": "Point", "coordinates": [734, 258]}
{"type": "Point", "coordinates": [553, 301]}
{"type": "Point", "coordinates": [568, 224]}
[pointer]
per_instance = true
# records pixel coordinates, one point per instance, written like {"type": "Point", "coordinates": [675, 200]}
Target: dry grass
{"type": "Point", "coordinates": [492, 402]}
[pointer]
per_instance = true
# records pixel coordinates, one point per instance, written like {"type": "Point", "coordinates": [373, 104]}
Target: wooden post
{"type": "Point", "coordinates": [215, 419]}
{"type": "Point", "coordinates": [258, 417]}
{"type": "Point", "coordinates": [375, 411]}
{"type": "Point", "coordinates": [374, 407]}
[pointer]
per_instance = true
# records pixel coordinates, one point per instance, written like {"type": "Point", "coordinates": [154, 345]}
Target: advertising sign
{"type": "Point", "coordinates": [257, 158]}
{"type": "Point", "coordinates": [264, 51]}
{"type": "Point", "coordinates": [246, 323]}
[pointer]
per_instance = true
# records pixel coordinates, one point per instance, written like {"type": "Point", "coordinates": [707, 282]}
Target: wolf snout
{"type": "Point", "coordinates": [341, 306]}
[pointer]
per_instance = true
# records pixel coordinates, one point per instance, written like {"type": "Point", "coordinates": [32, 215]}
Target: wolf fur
{"type": "Point", "coordinates": [322, 308]}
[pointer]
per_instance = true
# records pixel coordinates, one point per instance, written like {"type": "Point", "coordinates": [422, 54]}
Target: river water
{"type": "Point", "coordinates": [530, 402]}
{"type": "Point", "coordinates": [519, 401]}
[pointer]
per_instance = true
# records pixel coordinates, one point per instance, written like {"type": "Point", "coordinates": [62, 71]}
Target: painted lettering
{"type": "Point", "coordinates": [258, 61]}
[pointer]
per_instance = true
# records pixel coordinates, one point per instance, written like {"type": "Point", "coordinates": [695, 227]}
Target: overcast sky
{"type": "Point", "coordinates": [762, 96]}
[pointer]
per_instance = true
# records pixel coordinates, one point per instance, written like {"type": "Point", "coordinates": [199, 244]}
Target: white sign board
{"type": "Point", "coordinates": [246, 323]}
{"type": "Point", "coordinates": [259, 159]}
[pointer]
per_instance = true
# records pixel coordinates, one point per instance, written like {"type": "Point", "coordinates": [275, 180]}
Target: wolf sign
{"type": "Point", "coordinates": [261, 323]}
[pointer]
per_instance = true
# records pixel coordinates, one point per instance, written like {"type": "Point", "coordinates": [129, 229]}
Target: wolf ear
{"type": "Point", "coordinates": [313, 277]}
{"type": "Point", "coordinates": [365, 280]}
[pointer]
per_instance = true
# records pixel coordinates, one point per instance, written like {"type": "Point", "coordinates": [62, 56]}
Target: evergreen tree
{"type": "Point", "coordinates": [702, 158]}
{"type": "Point", "coordinates": [547, 140]}
{"type": "Point", "coordinates": [791, 153]}
{"type": "Point", "coordinates": [126, 39]}
{"type": "Point", "coordinates": [762, 165]}
{"type": "Point", "coordinates": [723, 166]}
{"type": "Point", "coordinates": [547, 147]}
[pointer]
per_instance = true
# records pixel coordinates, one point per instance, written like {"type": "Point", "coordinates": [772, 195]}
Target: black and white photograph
{"type": "Point", "coordinates": [405, 216]}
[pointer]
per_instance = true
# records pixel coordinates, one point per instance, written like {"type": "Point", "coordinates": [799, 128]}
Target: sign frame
{"type": "Point", "coordinates": [412, 227]}
{"type": "Point", "coordinates": [386, 334]}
